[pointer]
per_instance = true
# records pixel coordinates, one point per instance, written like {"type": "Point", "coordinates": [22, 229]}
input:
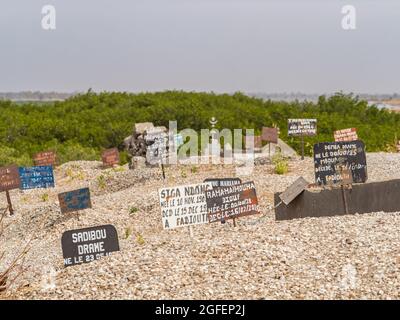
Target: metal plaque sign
{"type": "Point", "coordinates": [302, 127]}
{"type": "Point", "coordinates": [340, 162]}
{"type": "Point", "coordinates": [256, 140]}
{"type": "Point", "coordinates": [9, 178]}
{"type": "Point", "coordinates": [89, 244]}
{"type": "Point", "coordinates": [270, 134]}
{"type": "Point", "coordinates": [345, 135]}
{"type": "Point", "coordinates": [231, 202]}
{"type": "Point", "coordinates": [110, 157]}
{"type": "Point", "coordinates": [294, 190]}
{"type": "Point", "coordinates": [36, 177]}
{"type": "Point", "coordinates": [75, 200]}
{"type": "Point", "coordinates": [47, 158]}
{"type": "Point", "coordinates": [183, 206]}
{"type": "Point", "coordinates": [223, 182]}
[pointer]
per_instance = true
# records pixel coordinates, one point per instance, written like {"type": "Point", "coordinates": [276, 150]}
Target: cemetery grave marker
{"type": "Point", "coordinates": [224, 182]}
{"type": "Point", "coordinates": [110, 157]}
{"type": "Point", "coordinates": [46, 158]}
{"type": "Point", "coordinates": [231, 202]}
{"type": "Point", "coordinates": [183, 206]}
{"type": "Point", "coordinates": [9, 179]}
{"type": "Point", "coordinates": [36, 177]}
{"type": "Point", "coordinates": [345, 135]}
{"type": "Point", "coordinates": [293, 190]}
{"type": "Point", "coordinates": [334, 161]}
{"type": "Point", "coordinates": [74, 200]}
{"type": "Point", "coordinates": [270, 135]}
{"type": "Point", "coordinates": [88, 244]}
{"type": "Point", "coordinates": [156, 152]}
{"type": "Point", "coordinates": [302, 128]}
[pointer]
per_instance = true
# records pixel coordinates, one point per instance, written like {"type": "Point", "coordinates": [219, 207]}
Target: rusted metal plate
{"type": "Point", "coordinates": [89, 244]}
{"type": "Point", "coordinates": [349, 134]}
{"type": "Point", "coordinates": [46, 158]}
{"type": "Point", "coordinates": [294, 190]}
{"type": "Point", "coordinates": [74, 200]}
{"type": "Point", "coordinates": [182, 206]}
{"type": "Point", "coordinates": [270, 134]}
{"type": "Point", "coordinates": [110, 157]}
{"type": "Point", "coordinates": [9, 178]}
{"type": "Point", "coordinates": [361, 198]}
{"type": "Point", "coordinates": [232, 202]}
{"type": "Point", "coordinates": [302, 127]}
{"type": "Point", "coordinates": [256, 140]}
{"type": "Point", "coordinates": [334, 160]}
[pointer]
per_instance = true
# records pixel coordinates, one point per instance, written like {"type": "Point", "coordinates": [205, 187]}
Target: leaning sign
{"type": "Point", "coordinates": [345, 135]}
{"type": "Point", "coordinates": [89, 244]}
{"type": "Point", "coordinates": [302, 127]}
{"type": "Point", "coordinates": [36, 177]}
{"type": "Point", "coordinates": [183, 206]}
{"type": "Point", "coordinates": [340, 162]}
{"type": "Point", "coordinates": [231, 202]}
{"type": "Point", "coordinates": [75, 200]}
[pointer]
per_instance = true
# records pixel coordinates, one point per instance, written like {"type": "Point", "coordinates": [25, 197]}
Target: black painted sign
{"type": "Point", "coordinates": [89, 244]}
{"type": "Point", "coordinates": [231, 202]}
{"type": "Point", "coordinates": [223, 182]}
{"type": "Point", "coordinates": [340, 162]}
{"type": "Point", "coordinates": [302, 127]}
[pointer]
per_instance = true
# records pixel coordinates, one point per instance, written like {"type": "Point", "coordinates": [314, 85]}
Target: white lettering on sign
{"type": "Point", "coordinates": [89, 236]}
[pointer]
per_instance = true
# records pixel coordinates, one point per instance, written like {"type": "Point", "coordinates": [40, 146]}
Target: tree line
{"type": "Point", "coordinates": [83, 125]}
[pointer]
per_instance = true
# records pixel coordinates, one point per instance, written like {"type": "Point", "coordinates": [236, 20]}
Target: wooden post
{"type": "Point", "coordinates": [346, 208]}
{"type": "Point", "coordinates": [191, 231]}
{"type": "Point", "coordinates": [234, 222]}
{"type": "Point", "coordinates": [10, 208]}
{"type": "Point", "coordinates": [163, 170]}
{"type": "Point", "coordinates": [302, 147]}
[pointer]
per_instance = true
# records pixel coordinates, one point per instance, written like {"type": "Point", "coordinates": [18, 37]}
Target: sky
{"type": "Point", "coordinates": [200, 45]}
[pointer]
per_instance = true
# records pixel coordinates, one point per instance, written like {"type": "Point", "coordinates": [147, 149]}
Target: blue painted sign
{"type": "Point", "coordinates": [75, 200]}
{"type": "Point", "coordinates": [36, 177]}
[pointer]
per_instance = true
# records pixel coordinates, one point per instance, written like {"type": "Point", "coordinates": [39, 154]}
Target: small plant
{"type": "Point", "coordinates": [183, 174]}
{"type": "Point", "coordinates": [118, 169]}
{"type": "Point", "coordinates": [140, 239]}
{"type": "Point", "coordinates": [101, 181]}
{"type": "Point", "coordinates": [281, 164]}
{"type": "Point", "coordinates": [45, 197]}
{"type": "Point", "coordinates": [133, 210]}
{"type": "Point", "coordinates": [193, 169]}
{"type": "Point", "coordinates": [128, 232]}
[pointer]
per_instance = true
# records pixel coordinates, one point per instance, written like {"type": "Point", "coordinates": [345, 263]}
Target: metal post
{"type": "Point", "coordinates": [346, 208]}
{"type": "Point", "coordinates": [302, 147]}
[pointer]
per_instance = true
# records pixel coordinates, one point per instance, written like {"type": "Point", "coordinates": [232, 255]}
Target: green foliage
{"type": "Point", "coordinates": [280, 163]}
{"type": "Point", "coordinates": [80, 127]}
{"type": "Point", "coordinates": [133, 210]}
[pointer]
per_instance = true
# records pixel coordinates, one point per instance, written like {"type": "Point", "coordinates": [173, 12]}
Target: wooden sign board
{"type": "Point", "coordinates": [270, 134]}
{"type": "Point", "coordinates": [36, 177]}
{"type": "Point", "coordinates": [345, 135]}
{"type": "Point", "coordinates": [9, 178]}
{"type": "Point", "coordinates": [223, 182]}
{"type": "Point", "coordinates": [89, 244]}
{"type": "Point", "coordinates": [110, 157]}
{"type": "Point", "coordinates": [257, 140]}
{"type": "Point", "coordinates": [334, 161]}
{"type": "Point", "coordinates": [75, 200]}
{"type": "Point", "coordinates": [183, 206]}
{"type": "Point", "coordinates": [294, 190]}
{"type": "Point", "coordinates": [231, 202]}
{"type": "Point", "coordinates": [46, 158]}
{"type": "Point", "coordinates": [302, 127]}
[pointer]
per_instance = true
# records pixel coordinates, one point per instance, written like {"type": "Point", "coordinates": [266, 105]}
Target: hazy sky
{"type": "Point", "coordinates": [219, 45]}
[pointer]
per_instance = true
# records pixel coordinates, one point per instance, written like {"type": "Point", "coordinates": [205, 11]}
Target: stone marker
{"type": "Point", "coordinates": [89, 244]}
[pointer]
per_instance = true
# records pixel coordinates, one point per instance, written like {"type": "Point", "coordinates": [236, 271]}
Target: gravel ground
{"type": "Point", "coordinates": [346, 257]}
